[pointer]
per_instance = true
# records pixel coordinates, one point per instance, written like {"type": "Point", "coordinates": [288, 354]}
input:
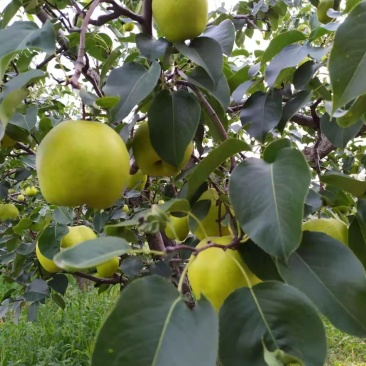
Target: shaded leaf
{"type": "Point", "coordinates": [224, 33]}
{"type": "Point", "coordinates": [151, 325]}
{"type": "Point", "coordinates": [330, 275]}
{"type": "Point", "coordinates": [347, 61]}
{"type": "Point", "coordinates": [270, 208]}
{"type": "Point", "coordinates": [173, 120]}
{"type": "Point", "coordinates": [205, 52]}
{"type": "Point", "coordinates": [132, 83]}
{"type": "Point", "coordinates": [337, 135]}
{"type": "Point", "coordinates": [150, 47]}
{"type": "Point", "coordinates": [263, 112]}
{"type": "Point", "coordinates": [270, 317]}
{"type": "Point", "coordinates": [50, 238]}
{"type": "Point", "coordinates": [356, 187]}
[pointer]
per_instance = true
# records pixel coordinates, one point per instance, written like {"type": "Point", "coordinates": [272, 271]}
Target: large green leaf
{"type": "Point", "coordinates": [90, 253]}
{"type": "Point", "coordinates": [345, 182]}
{"type": "Point", "coordinates": [293, 106]}
{"type": "Point", "coordinates": [24, 35]}
{"type": "Point", "coordinates": [224, 33]}
{"type": "Point", "coordinates": [332, 277]}
{"type": "Point", "coordinates": [26, 121]}
{"type": "Point", "coordinates": [150, 47]}
{"type": "Point", "coordinates": [205, 52]}
{"type": "Point", "coordinates": [212, 161]}
{"type": "Point", "coordinates": [279, 42]}
{"type": "Point", "coordinates": [274, 318]}
{"type": "Point", "coordinates": [262, 111]}
{"type": "Point", "coordinates": [337, 135]}
{"type": "Point", "coordinates": [9, 12]}
{"type": "Point", "coordinates": [357, 232]}
{"type": "Point", "coordinates": [173, 121]}
{"type": "Point", "coordinates": [132, 83]}
{"type": "Point", "coordinates": [152, 325]}
{"type": "Point", "coordinates": [347, 60]}
{"type": "Point", "coordinates": [290, 56]}
{"type": "Point", "coordinates": [268, 200]}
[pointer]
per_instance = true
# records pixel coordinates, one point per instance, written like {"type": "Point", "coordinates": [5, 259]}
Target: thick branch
{"type": "Point", "coordinates": [147, 17]}
{"type": "Point", "coordinates": [155, 242]}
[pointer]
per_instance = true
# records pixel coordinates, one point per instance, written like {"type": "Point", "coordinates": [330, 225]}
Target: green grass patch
{"type": "Point", "coordinates": [59, 337]}
{"type": "Point", "coordinates": [66, 338]}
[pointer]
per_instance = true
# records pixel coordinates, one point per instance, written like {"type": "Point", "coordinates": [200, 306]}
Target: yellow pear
{"type": "Point", "coordinates": [214, 274]}
{"type": "Point", "coordinates": [178, 20]}
{"type": "Point", "coordinates": [137, 181]}
{"type": "Point", "coordinates": [108, 268]}
{"type": "Point", "coordinates": [177, 228]}
{"type": "Point", "coordinates": [82, 162]}
{"type": "Point", "coordinates": [76, 235]}
{"type": "Point", "coordinates": [335, 228]}
{"type": "Point", "coordinates": [149, 161]}
{"type": "Point", "coordinates": [8, 211]}
{"type": "Point", "coordinates": [48, 264]}
{"type": "Point", "coordinates": [211, 222]}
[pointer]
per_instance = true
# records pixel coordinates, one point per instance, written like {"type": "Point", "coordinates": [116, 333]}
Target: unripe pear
{"type": "Point", "coordinates": [214, 273]}
{"type": "Point", "coordinates": [108, 268]}
{"type": "Point", "coordinates": [8, 211]}
{"type": "Point", "coordinates": [335, 228]}
{"type": "Point", "coordinates": [178, 20]}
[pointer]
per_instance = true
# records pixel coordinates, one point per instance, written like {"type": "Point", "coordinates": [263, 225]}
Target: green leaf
{"type": "Point", "coordinates": [24, 35]}
{"type": "Point", "coordinates": [279, 42]}
{"type": "Point", "coordinates": [50, 238]}
{"type": "Point", "coordinates": [317, 269]}
{"type": "Point", "coordinates": [220, 91]}
{"type": "Point", "coordinates": [290, 56]}
{"type": "Point", "coordinates": [59, 283]}
{"type": "Point", "coordinates": [267, 209]}
{"type": "Point", "coordinates": [356, 187]}
{"type": "Point", "coordinates": [173, 119]}
{"type": "Point", "coordinates": [205, 52]}
{"type": "Point", "coordinates": [152, 325]}
{"type": "Point", "coordinates": [347, 61]}
{"type": "Point", "coordinates": [274, 317]}
{"type": "Point", "coordinates": [212, 161]}
{"type": "Point", "coordinates": [224, 33]}
{"type": "Point", "coordinates": [304, 74]}
{"type": "Point", "coordinates": [107, 102]}
{"type": "Point", "coordinates": [36, 290]}
{"type": "Point", "coordinates": [353, 114]}
{"type": "Point", "coordinates": [132, 83]}
{"type": "Point", "coordinates": [357, 232]}
{"type": "Point", "coordinates": [151, 48]}
{"type": "Point", "coordinates": [90, 253]}
{"type": "Point", "coordinates": [293, 106]}
{"type": "Point", "coordinates": [337, 135]}
{"type": "Point", "coordinates": [9, 12]}
{"type": "Point", "coordinates": [28, 120]}
{"type": "Point", "coordinates": [263, 112]}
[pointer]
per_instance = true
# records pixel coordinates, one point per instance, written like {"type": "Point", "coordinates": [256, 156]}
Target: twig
{"type": "Point", "coordinates": [50, 57]}
{"type": "Point", "coordinates": [234, 244]}
{"type": "Point", "coordinates": [79, 64]}
{"type": "Point", "coordinates": [107, 281]}
{"type": "Point", "coordinates": [21, 146]}
{"type": "Point", "coordinates": [118, 10]}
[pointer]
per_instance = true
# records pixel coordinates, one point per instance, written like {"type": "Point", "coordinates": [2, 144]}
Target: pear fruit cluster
{"type": "Point", "coordinates": [75, 236]}
{"type": "Point", "coordinates": [178, 20]}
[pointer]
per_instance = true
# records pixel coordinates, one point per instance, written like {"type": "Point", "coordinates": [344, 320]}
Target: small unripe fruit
{"type": "Point", "coordinates": [128, 27]}
{"type": "Point", "coordinates": [21, 198]}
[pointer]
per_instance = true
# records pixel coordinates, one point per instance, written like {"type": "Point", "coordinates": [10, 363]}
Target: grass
{"type": "Point", "coordinates": [65, 338]}
{"type": "Point", "coordinates": [58, 338]}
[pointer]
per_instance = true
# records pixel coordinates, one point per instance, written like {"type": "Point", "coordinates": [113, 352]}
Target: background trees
{"type": "Point", "coordinates": [277, 132]}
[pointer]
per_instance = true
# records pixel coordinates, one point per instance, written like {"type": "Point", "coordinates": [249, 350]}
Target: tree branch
{"type": "Point", "coordinates": [147, 17]}
{"type": "Point", "coordinates": [79, 64]}
{"type": "Point", "coordinates": [118, 10]}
